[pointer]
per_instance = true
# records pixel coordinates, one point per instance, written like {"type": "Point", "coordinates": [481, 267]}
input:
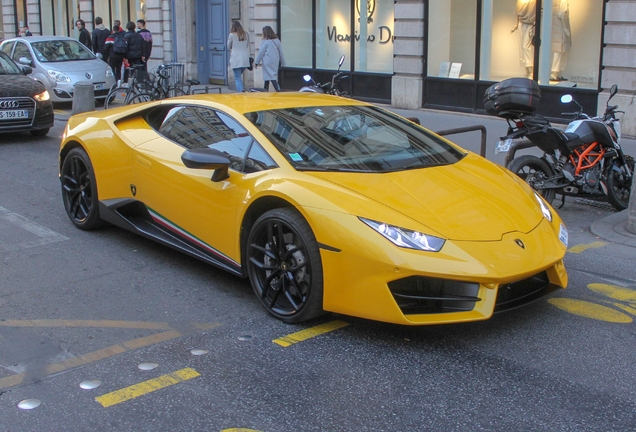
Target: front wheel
{"type": "Point", "coordinates": [79, 190]}
{"type": "Point", "coordinates": [284, 266]}
{"type": "Point", "coordinates": [619, 183]}
{"type": "Point", "coordinates": [116, 97]}
{"type": "Point", "coordinates": [533, 171]}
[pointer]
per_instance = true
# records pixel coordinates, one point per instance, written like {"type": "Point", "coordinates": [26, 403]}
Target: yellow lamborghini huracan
{"type": "Point", "coordinates": [325, 203]}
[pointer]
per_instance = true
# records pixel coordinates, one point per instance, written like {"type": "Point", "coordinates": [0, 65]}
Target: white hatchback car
{"type": "Point", "coordinates": [59, 62]}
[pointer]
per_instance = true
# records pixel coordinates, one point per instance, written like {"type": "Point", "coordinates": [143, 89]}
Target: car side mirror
{"type": "Point", "coordinates": [28, 70]}
{"type": "Point", "coordinates": [25, 61]}
{"type": "Point", "coordinates": [207, 158]}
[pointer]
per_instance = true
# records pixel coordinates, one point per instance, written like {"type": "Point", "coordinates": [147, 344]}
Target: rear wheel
{"type": "Point", "coordinates": [79, 190]}
{"type": "Point", "coordinates": [533, 171]}
{"type": "Point", "coordinates": [619, 184]}
{"type": "Point", "coordinates": [116, 98]}
{"type": "Point", "coordinates": [140, 98]}
{"type": "Point", "coordinates": [284, 266]}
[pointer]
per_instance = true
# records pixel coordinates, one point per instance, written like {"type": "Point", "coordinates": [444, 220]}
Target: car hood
{"type": "Point", "coordinates": [19, 85]}
{"type": "Point", "coordinates": [472, 200]}
{"type": "Point", "coordinates": [79, 68]}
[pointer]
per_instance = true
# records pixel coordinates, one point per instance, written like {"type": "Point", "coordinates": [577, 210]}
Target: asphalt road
{"type": "Point", "coordinates": [81, 307]}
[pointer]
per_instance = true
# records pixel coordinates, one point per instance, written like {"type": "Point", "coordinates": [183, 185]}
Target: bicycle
{"type": "Point", "coordinates": [140, 82]}
{"type": "Point", "coordinates": [162, 88]}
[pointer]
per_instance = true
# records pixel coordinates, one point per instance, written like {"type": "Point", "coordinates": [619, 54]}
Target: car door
{"type": "Point", "coordinates": [186, 201]}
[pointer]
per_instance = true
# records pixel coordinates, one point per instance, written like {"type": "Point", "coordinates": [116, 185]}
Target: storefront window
{"type": "Point", "coordinates": [296, 34]}
{"type": "Point", "coordinates": [452, 29]}
{"type": "Point", "coordinates": [333, 33]}
{"type": "Point", "coordinates": [374, 23]}
{"type": "Point", "coordinates": [567, 37]}
{"type": "Point", "coordinates": [372, 33]}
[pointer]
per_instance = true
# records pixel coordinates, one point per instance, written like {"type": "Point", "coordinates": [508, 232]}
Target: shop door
{"type": "Point", "coordinates": [217, 38]}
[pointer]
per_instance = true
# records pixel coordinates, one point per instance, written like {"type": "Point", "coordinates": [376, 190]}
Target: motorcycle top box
{"type": "Point", "coordinates": [512, 97]}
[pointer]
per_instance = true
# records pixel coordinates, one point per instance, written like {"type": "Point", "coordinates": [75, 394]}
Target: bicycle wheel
{"type": "Point", "coordinates": [116, 98]}
{"type": "Point", "coordinates": [174, 91]}
{"type": "Point", "coordinates": [140, 98]}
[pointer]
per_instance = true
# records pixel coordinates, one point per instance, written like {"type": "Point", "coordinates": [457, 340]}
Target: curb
{"type": "Point", "coordinates": [612, 228]}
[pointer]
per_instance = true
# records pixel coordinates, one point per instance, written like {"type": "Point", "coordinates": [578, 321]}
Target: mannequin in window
{"type": "Point", "coordinates": [526, 16]}
{"type": "Point", "coordinates": [561, 38]}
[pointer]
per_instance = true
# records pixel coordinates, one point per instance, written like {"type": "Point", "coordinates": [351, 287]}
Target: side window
{"type": "Point", "coordinates": [21, 50]}
{"type": "Point", "coordinates": [7, 48]}
{"type": "Point", "coordinates": [198, 127]}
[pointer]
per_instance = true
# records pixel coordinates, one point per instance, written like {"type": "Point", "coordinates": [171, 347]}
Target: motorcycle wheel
{"type": "Point", "coordinates": [532, 169]}
{"type": "Point", "coordinates": [618, 186]}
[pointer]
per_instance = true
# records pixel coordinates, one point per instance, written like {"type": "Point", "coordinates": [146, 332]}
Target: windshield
{"type": "Point", "coordinates": [351, 138]}
{"type": "Point", "coordinates": [60, 50]}
{"type": "Point", "coordinates": [7, 67]}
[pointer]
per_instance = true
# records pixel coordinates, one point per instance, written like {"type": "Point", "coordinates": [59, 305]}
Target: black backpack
{"type": "Point", "coordinates": [120, 46]}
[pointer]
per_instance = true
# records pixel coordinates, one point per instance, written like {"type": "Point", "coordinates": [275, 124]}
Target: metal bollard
{"type": "Point", "coordinates": [83, 97]}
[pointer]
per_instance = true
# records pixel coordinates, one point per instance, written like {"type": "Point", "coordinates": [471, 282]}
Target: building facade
{"type": "Point", "coordinates": [440, 54]}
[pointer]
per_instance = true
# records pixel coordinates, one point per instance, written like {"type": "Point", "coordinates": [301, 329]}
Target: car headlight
{"type": "Point", "coordinates": [544, 207]}
{"type": "Point", "coordinates": [58, 76]}
{"type": "Point", "coordinates": [44, 96]}
{"type": "Point", "coordinates": [109, 72]}
{"type": "Point", "coordinates": [406, 238]}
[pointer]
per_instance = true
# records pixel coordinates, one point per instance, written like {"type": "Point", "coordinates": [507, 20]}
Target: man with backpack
{"type": "Point", "coordinates": [116, 49]}
{"type": "Point", "coordinates": [100, 34]}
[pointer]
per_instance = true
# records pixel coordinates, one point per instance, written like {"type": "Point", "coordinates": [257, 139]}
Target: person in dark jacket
{"type": "Point", "coordinates": [115, 60]}
{"type": "Point", "coordinates": [135, 46]}
{"type": "Point", "coordinates": [145, 33]}
{"type": "Point", "coordinates": [84, 34]}
{"type": "Point", "coordinates": [99, 38]}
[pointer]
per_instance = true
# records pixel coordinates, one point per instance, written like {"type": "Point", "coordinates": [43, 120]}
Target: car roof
{"type": "Point", "coordinates": [31, 39]}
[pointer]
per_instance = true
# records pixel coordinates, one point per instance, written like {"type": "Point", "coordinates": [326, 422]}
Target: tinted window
{"type": "Point", "coordinates": [198, 127]}
{"type": "Point", "coordinates": [352, 138]}
{"type": "Point", "coordinates": [21, 50]}
{"type": "Point", "coordinates": [7, 67]}
{"type": "Point", "coordinates": [7, 47]}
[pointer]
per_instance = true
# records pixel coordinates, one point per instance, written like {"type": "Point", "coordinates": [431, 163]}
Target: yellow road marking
{"type": "Point", "coordinates": [583, 247]}
{"type": "Point", "coordinates": [615, 292]}
{"type": "Point", "coordinates": [100, 354]}
{"type": "Point", "coordinates": [590, 310]}
{"type": "Point", "coordinates": [128, 393]}
{"type": "Point", "coordinates": [309, 333]}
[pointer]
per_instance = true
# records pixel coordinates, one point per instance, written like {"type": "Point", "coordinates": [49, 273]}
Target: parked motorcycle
{"type": "Point", "coordinates": [329, 87]}
{"type": "Point", "coordinates": [586, 160]}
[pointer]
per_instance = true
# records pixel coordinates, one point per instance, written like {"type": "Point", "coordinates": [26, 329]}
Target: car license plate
{"type": "Point", "coordinates": [13, 114]}
{"type": "Point", "coordinates": [99, 86]}
{"type": "Point", "coordinates": [563, 235]}
{"type": "Point", "coordinates": [503, 146]}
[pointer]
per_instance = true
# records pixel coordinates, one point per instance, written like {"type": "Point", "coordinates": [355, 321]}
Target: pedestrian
{"type": "Point", "coordinates": [116, 54]}
{"type": "Point", "coordinates": [147, 35]}
{"type": "Point", "coordinates": [24, 31]}
{"type": "Point", "coordinates": [84, 34]}
{"type": "Point", "coordinates": [239, 45]}
{"type": "Point", "coordinates": [271, 56]}
{"type": "Point", "coordinates": [135, 47]}
{"type": "Point", "coordinates": [100, 34]}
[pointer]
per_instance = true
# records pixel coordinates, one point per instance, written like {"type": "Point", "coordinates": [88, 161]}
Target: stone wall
{"type": "Point", "coordinates": [619, 61]}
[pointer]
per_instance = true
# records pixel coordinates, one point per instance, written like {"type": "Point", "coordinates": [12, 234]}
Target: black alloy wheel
{"type": "Point", "coordinates": [533, 171]}
{"type": "Point", "coordinates": [79, 190]}
{"type": "Point", "coordinates": [284, 266]}
{"type": "Point", "coordinates": [619, 184]}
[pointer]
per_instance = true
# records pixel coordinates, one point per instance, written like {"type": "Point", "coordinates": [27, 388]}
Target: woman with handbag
{"type": "Point", "coordinates": [271, 56]}
{"type": "Point", "coordinates": [239, 45]}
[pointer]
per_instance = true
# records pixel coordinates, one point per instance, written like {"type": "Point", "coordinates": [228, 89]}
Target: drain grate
{"type": "Point", "coordinates": [595, 204]}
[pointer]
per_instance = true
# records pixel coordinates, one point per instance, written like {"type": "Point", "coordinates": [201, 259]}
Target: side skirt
{"type": "Point", "coordinates": [134, 216]}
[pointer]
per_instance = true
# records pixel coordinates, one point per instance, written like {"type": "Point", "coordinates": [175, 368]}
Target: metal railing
{"type": "Point", "coordinates": [465, 129]}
